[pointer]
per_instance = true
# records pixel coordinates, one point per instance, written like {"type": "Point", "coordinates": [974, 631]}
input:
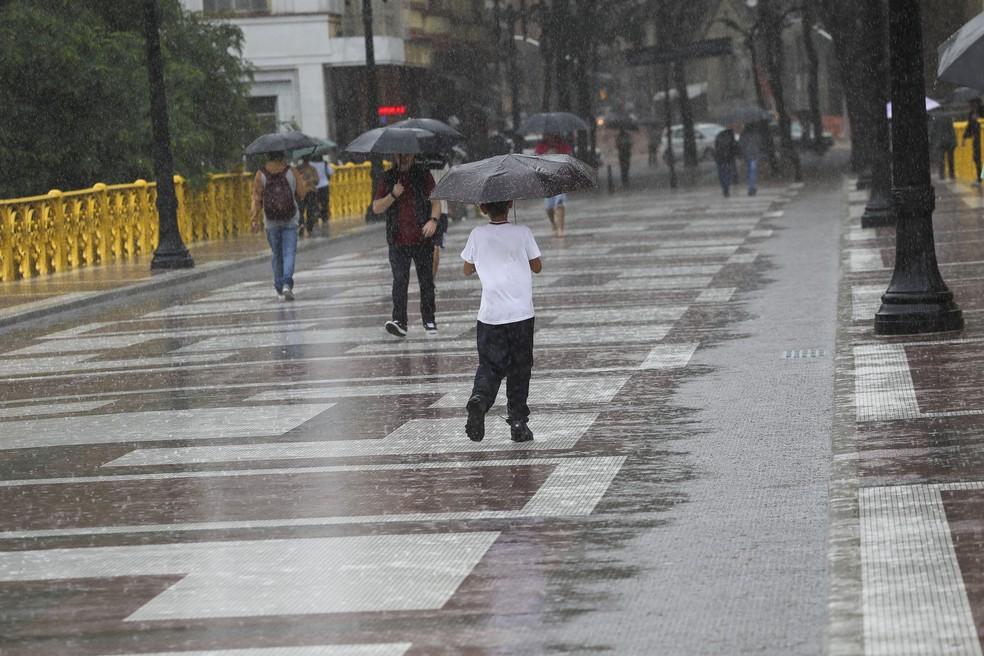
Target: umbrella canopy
{"type": "Point", "coordinates": [441, 129]}
{"type": "Point", "coordinates": [513, 177]}
{"type": "Point", "coordinates": [396, 141]}
{"type": "Point", "coordinates": [963, 94]}
{"type": "Point", "coordinates": [324, 147]}
{"type": "Point", "coordinates": [276, 142]}
{"type": "Point", "coordinates": [619, 122]}
{"type": "Point", "coordinates": [747, 114]}
{"type": "Point", "coordinates": [960, 56]}
{"type": "Point", "coordinates": [930, 104]}
{"type": "Point", "coordinates": [552, 123]}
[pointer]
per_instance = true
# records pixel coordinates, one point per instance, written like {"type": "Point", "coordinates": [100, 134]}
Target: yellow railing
{"type": "Point", "coordinates": [963, 156]}
{"type": "Point", "coordinates": [110, 223]}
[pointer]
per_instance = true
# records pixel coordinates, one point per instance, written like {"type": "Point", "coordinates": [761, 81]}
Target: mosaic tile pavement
{"type": "Point", "coordinates": [906, 543]}
{"type": "Point", "coordinates": [226, 474]}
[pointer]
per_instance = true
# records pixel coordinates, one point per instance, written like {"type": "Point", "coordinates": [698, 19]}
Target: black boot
{"type": "Point", "coordinates": [520, 430]}
{"type": "Point", "coordinates": [475, 426]}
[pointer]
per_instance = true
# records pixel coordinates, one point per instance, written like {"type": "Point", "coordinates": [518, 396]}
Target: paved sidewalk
{"type": "Point", "coordinates": [726, 460]}
{"type": "Point", "coordinates": [907, 492]}
{"type": "Point", "coordinates": [25, 299]}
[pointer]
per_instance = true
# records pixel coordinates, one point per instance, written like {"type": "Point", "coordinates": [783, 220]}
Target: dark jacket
{"type": "Point", "coordinates": [417, 187]}
{"type": "Point", "coordinates": [941, 133]}
{"type": "Point", "coordinates": [750, 143]}
{"type": "Point", "coordinates": [725, 146]}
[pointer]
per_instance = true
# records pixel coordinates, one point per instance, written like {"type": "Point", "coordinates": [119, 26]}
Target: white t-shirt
{"type": "Point", "coordinates": [501, 255]}
{"type": "Point", "coordinates": [324, 172]}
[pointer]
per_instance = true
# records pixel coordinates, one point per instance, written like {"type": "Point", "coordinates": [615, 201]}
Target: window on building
{"type": "Point", "coordinates": [236, 7]}
{"type": "Point", "coordinates": [265, 110]}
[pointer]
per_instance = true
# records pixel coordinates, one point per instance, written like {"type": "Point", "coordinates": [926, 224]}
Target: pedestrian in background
{"type": "Point", "coordinates": [725, 153]}
{"type": "Point", "coordinates": [325, 171]}
{"type": "Point", "coordinates": [943, 140]}
{"type": "Point", "coordinates": [309, 202]}
{"type": "Point", "coordinates": [403, 195]}
{"type": "Point", "coordinates": [750, 145]}
{"type": "Point", "coordinates": [623, 143]}
{"type": "Point", "coordinates": [277, 188]}
{"type": "Point", "coordinates": [973, 132]}
{"type": "Point", "coordinates": [505, 256]}
{"type": "Point", "coordinates": [555, 144]}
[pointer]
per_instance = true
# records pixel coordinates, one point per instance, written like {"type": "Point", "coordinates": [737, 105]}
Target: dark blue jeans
{"type": "Point", "coordinates": [505, 351]}
{"type": "Point", "coordinates": [283, 244]}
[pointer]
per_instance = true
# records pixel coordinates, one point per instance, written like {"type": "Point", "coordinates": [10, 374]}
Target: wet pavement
{"type": "Point", "coordinates": [203, 469]}
{"type": "Point", "coordinates": [906, 530]}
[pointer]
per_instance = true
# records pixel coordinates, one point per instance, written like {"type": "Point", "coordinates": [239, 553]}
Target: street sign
{"type": "Point", "coordinates": [697, 50]}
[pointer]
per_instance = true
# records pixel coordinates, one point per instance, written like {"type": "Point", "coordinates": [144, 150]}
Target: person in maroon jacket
{"type": "Point", "coordinates": [403, 195]}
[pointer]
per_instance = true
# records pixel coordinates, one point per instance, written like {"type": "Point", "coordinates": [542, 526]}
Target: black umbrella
{"type": "Point", "coordinates": [276, 142]}
{"type": "Point", "coordinates": [619, 122]}
{"type": "Point", "coordinates": [441, 130]}
{"type": "Point", "coordinates": [513, 177]}
{"type": "Point", "coordinates": [960, 56]}
{"type": "Point", "coordinates": [552, 123]}
{"type": "Point", "coordinates": [394, 141]}
{"type": "Point", "coordinates": [963, 94]}
{"type": "Point", "coordinates": [747, 114]}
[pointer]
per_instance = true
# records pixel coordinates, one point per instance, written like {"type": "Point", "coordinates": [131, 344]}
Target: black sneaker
{"type": "Point", "coordinates": [431, 328]}
{"type": "Point", "coordinates": [396, 328]}
{"type": "Point", "coordinates": [520, 430]}
{"type": "Point", "coordinates": [475, 426]}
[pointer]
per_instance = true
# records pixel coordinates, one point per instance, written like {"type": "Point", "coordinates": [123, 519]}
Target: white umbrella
{"type": "Point", "coordinates": [930, 104]}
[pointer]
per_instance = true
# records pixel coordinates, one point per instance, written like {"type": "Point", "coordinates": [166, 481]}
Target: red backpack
{"type": "Point", "coordinates": [278, 197]}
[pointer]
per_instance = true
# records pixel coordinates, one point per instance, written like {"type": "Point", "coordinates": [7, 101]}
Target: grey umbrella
{"type": "Point", "coordinates": [445, 136]}
{"type": "Point", "coordinates": [395, 141]}
{"type": "Point", "coordinates": [552, 123]}
{"type": "Point", "coordinates": [747, 114]}
{"type": "Point", "coordinates": [960, 56]}
{"type": "Point", "coordinates": [514, 176]}
{"type": "Point", "coordinates": [276, 142]}
{"type": "Point", "coordinates": [963, 94]}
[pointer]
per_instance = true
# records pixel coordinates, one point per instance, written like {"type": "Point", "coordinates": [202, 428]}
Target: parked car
{"type": "Point", "coordinates": [704, 134]}
{"type": "Point", "coordinates": [796, 132]}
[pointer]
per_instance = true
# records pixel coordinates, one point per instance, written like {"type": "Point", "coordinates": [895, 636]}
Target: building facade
{"type": "Point", "coordinates": [310, 66]}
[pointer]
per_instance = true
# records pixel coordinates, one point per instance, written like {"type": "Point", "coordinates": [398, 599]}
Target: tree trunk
{"type": "Point", "coordinates": [561, 22]}
{"type": "Point", "coordinates": [772, 21]}
{"type": "Point", "coordinates": [686, 115]}
{"type": "Point", "coordinates": [813, 82]}
{"type": "Point", "coordinates": [547, 52]}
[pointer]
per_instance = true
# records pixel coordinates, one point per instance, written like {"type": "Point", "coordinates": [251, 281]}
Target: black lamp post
{"type": "Point", "coordinates": [917, 299]}
{"type": "Point", "coordinates": [878, 211]}
{"type": "Point", "coordinates": [171, 252]}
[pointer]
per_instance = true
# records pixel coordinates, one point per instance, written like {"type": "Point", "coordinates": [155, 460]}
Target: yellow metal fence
{"type": "Point", "coordinates": [59, 231]}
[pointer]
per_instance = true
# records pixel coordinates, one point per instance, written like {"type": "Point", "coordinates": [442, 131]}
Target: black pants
{"type": "Point", "coordinates": [505, 351]}
{"type": "Point", "coordinates": [422, 256]}
{"type": "Point", "coordinates": [946, 159]}
{"type": "Point", "coordinates": [309, 211]}
{"type": "Point", "coordinates": [324, 203]}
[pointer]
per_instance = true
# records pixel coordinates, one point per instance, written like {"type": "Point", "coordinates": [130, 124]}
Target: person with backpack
{"type": "Point", "coordinates": [276, 190]}
{"type": "Point", "coordinates": [725, 152]}
{"type": "Point", "coordinates": [412, 219]}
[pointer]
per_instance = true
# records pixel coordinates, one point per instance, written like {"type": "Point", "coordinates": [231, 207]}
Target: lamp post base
{"type": "Point", "coordinates": [169, 260]}
{"type": "Point", "coordinates": [918, 318]}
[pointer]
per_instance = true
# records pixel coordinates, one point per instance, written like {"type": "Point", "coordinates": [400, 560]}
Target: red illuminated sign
{"type": "Point", "coordinates": [392, 110]}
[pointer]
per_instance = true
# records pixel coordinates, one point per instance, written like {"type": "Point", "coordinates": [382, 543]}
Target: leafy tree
{"type": "Point", "coordinates": [76, 109]}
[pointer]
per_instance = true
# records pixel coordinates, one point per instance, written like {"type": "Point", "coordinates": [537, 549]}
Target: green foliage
{"type": "Point", "coordinates": [76, 99]}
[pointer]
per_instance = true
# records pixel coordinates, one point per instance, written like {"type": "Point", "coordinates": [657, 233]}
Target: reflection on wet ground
{"type": "Point", "coordinates": [226, 471]}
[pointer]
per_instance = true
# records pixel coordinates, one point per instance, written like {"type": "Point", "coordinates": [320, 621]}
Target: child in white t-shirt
{"type": "Point", "coordinates": [506, 256]}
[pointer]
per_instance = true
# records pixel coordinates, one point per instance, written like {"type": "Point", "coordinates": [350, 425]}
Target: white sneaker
{"type": "Point", "coordinates": [288, 294]}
